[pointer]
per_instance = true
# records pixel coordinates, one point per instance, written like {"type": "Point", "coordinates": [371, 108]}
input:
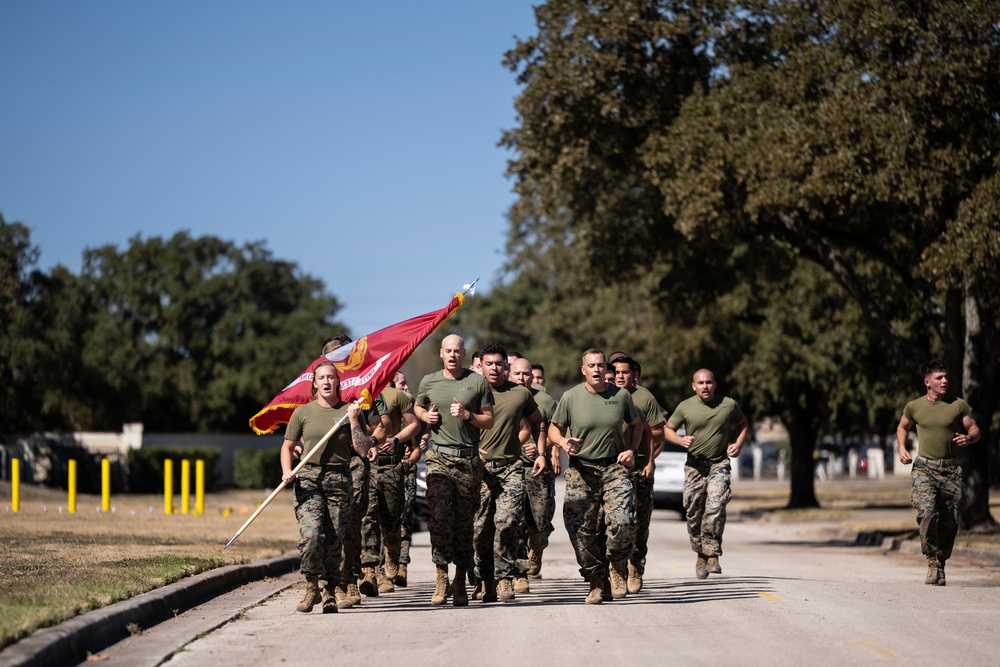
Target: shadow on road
{"type": "Point", "coordinates": [566, 591]}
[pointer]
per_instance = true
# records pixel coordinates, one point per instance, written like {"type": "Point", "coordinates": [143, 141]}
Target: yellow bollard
{"type": "Point", "coordinates": [72, 486]}
{"type": "Point", "coordinates": [105, 485]}
{"type": "Point", "coordinates": [185, 486]}
{"type": "Point", "coordinates": [15, 484]}
{"type": "Point", "coordinates": [168, 486]}
{"type": "Point", "coordinates": [199, 487]}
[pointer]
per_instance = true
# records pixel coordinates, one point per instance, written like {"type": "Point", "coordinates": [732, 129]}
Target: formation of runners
{"type": "Point", "coordinates": [492, 439]}
{"type": "Point", "coordinates": [491, 436]}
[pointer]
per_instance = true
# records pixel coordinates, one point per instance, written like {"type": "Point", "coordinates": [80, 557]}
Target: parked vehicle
{"type": "Point", "coordinates": [668, 482]}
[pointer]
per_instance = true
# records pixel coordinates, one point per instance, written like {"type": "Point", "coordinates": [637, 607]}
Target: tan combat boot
{"type": "Point", "coordinates": [329, 600]}
{"type": "Point", "coordinates": [400, 578]}
{"type": "Point", "coordinates": [520, 585]}
{"type": "Point", "coordinates": [311, 597]}
{"type": "Point", "coordinates": [712, 565]}
{"type": "Point", "coordinates": [459, 596]}
{"type": "Point", "coordinates": [369, 582]}
{"type": "Point", "coordinates": [441, 587]}
{"type": "Point", "coordinates": [617, 574]}
{"type": "Point", "coordinates": [505, 590]}
{"type": "Point", "coordinates": [340, 597]}
{"type": "Point", "coordinates": [596, 594]}
{"type": "Point", "coordinates": [606, 589]}
{"type": "Point", "coordinates": [390, 564]}
{"type": "Point", "coordinates": [634, 583]}
{"type": "Point", "coordinates": [933, 570]}
{"type": "Point", "coordinates": [534, 564]}
{"type": "Point", "coordinates": [385, 584]}
{"type": "Point", "coordinates": [353, 594]}
{"type": "Point", "coordinates": [701, 567]}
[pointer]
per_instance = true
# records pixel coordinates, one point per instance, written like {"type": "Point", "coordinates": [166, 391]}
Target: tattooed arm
{"type": "Point", "coordinates": [359, 431]}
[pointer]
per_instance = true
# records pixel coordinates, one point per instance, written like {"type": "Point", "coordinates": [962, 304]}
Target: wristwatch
{"type": "Point", "coordinates": [469, 418]}
{"type": "Point", "coordinates": [395, 441]}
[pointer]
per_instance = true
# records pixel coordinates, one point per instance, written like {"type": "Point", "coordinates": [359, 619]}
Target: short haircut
{"type": "Point", "coordinates": [933, 366]}
{"type": "Point", "coordinates": [333, 342]}
{"type": "Point", "coordinates": [514, 354]}
{"type": "Point", "coordinates": [477, 355]}
{"type": "Point", "coordinates": [538, 367]}
{"type": "Point", "coordinates": [594, 350]}
{"type": "Point", "coordinates": [493, 348]}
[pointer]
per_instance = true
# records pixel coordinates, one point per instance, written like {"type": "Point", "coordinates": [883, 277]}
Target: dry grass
{"type": "Point", "coordinates": [54, 565]}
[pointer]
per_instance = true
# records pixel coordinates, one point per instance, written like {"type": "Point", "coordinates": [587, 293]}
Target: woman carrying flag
{"type": "Point", "coordinates": [323, 484]}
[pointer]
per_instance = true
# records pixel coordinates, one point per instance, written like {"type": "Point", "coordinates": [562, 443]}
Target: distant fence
{"type": "Point", "coordinates": [42, 454]}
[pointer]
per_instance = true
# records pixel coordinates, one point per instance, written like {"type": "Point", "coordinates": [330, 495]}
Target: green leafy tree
{"type": "Point", "coordinates": [197, 333]}
{"type": "Point", "coordinates": [864, 137]}
{"type": "Point", "coordinates": [182, 334]}
{"type": "Point", "coordinates": [860, 137]}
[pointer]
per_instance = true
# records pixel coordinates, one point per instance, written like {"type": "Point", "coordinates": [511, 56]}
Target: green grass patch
{"type": "Point", "coordinates": [38, 595]}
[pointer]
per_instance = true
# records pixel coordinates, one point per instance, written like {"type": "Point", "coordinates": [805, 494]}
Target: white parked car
{"type": "Point", "coordinates": [668, 481]}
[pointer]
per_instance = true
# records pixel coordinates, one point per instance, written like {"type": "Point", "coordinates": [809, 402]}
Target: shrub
{"type": "Point", "coordinates": [257, 468]}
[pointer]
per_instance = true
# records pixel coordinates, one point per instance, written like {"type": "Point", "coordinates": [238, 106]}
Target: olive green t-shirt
{"type": "Point", "coordinates": [310, 422]}
{"type": "Point", "coordinates": [651, 411]}
{"type": "Point", "coordinates": [473, 392]}
{"type": "Point", "coordinates": [596, 419]}
{"type": "Point", "coordinates": [711, 424]}
{"type": "Point", "coordinates": [937, 423]}
{"type": "Point", "coordinates": [546, 408]}
{"type": "Point", "coordinates": [512, 402]}
{"type": "Point", "coordinates": [398, 404]}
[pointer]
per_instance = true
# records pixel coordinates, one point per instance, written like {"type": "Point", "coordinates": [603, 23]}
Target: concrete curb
{"type": "Point", "coordinates": [70, 641]}
{"type": "Point", "coordinates": [912, 546]}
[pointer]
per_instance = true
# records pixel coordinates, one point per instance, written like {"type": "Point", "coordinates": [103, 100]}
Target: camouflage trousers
{"type": "Point", "coordinates": [937, 495]}
{"type": "Point", "coordinates": [498, 525]}
{"type": "Point", "coordinates": [706, 493]}
{"type": "Point", "coordinates": [594, 492]}
{"type": "Point", "coordinates": [322, 508]}
{"type": "Point", "coordinates": [351, 567]}
{"type": "Point", "coordinates": [539, 508]}
{"type": "Point", "coordinates": [643, 515]}
{"type": "Point", "coordinates": [381, 525]}
{"type": "Point", "coordinates": [453, 497]}
{"type": "Point", "coordinates": [406, 522]}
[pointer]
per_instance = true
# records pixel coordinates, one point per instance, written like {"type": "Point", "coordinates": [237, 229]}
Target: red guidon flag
{"type": "Point", "coordinates": [365, 366]}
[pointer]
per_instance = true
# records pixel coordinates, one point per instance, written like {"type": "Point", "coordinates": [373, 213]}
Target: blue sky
{"type": "Point", "coordinates": [356, 139]}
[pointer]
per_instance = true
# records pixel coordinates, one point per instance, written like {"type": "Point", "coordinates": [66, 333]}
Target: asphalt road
{"type": "Point", "coordinates": [790, 594]}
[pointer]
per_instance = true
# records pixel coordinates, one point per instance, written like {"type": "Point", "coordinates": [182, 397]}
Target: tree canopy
{"type": "Point", "coordinates": [701, 157]}
{"type": "Point", "coordinates": [182, 334]}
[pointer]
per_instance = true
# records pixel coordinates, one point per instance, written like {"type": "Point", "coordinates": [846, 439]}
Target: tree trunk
{"type": "Point", "coordinates": [803, 436]}
{"type": "Point", "coordinates": [982, 396]}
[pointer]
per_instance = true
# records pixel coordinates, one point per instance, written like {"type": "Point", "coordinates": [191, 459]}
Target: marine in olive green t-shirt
{"type": "Point", "coordinates": [652, 414]}
{"type": "Point", "coordinates": [310, 422]}
{"type": "Point", "coordinates": [937, 423]}
{"type": "Point", "coordinates": [595, 418]}
{"type": "Point", "coordinates": [710, 424]}
{"type": "Point", "coordinates": [511, 403]}
{"type": "Point", "coordinates": [397, 403]}
{"type": "Point", "coordinates": [546, 408]}
{"type": "Point", "coordinates": [474, 393]}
